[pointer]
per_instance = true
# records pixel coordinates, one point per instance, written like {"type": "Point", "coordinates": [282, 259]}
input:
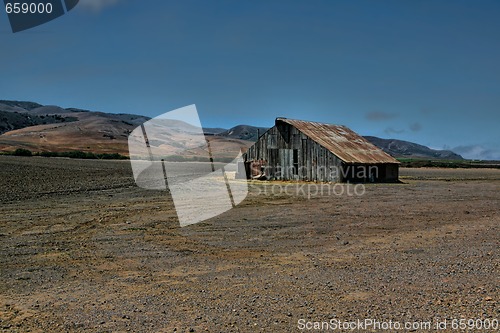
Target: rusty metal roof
{"type": "Point", "coordinates": [349, 146]}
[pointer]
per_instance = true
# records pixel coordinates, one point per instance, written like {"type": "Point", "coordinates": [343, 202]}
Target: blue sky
{"type": "Point", "coordinates": [423, 71]}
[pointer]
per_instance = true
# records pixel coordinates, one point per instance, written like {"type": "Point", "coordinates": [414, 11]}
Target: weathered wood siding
{"type": "Point", "coordinates": [289, 154]}
{"type": "Point", "coordinates": [292, 155]}
{"type": "Point", "coordinates": [392, 173]}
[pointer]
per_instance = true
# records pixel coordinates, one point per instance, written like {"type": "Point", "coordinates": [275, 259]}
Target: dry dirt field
{"type": "Point", "coordinates": [85, 250]}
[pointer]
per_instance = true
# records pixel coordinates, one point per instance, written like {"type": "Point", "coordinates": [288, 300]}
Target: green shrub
{"type": "Point", "coordinates": [49, 154]}
{"type": "Point", "coordinates": [113, 156]}
{"type": "Point", "coordinates": [22, 152]}
{"type": "Point", "coordinates": [84, 155]}
{"type": "Point", "coordinates": [175, 158]}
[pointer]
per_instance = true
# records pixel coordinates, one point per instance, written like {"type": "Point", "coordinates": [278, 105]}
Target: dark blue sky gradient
{"type": "Point", "coordinates": [423, 71]}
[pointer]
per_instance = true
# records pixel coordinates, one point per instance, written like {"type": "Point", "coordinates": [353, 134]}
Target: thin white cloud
{"type": "Point", "coordinates": [391, 130]}
{"type": "Point", "coordinates": [96, 5]}
{"type": "Point", "coordinates": [380, 115]}
{"type": "Point", "coordinates": [477, 152]}
{"type": "Point", "coordinates": [415, 127]}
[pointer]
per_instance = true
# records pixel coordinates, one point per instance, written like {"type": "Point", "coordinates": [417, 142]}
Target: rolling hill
{"type": "Point", "coordinates": [244, 132]}
{"type": "Point", "coordinates": [400, 148]}
{"type": "Point", "coordinates": [51, 128]}
{"type": "Point", "coordinates": [41, 128]}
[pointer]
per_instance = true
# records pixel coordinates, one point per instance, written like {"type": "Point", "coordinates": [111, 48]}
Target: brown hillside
{"type": "Point", "coordinates": [96, 132]}
{"type": "Point", "coordinates": [91, 132]}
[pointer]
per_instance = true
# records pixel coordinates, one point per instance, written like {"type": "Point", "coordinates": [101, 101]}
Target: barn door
{"type": "Point", "coordinates": [286, 164]}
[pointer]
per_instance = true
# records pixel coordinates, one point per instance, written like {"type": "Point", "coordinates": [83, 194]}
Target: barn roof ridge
{"type": "Point", "coordinates": [346, 144]}
{"type": "Point", "coordinates": [306, 121]}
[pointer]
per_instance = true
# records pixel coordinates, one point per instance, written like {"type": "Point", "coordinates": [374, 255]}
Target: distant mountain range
{"type": "Point", "coordinates": [393, 147]}
{"type": "Point", "coordinates": [51, 128]}
{"type": "Point", "coordinates": [244, 132]}
{"type": "Point", "coordinates": [400, 148]}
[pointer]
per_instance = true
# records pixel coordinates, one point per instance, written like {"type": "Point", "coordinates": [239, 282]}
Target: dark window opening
{"type": "Point", "coordinates": [295, 161]}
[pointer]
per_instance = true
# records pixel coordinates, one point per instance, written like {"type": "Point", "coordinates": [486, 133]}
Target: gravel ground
{"type": "Point", "coordinates": [84, 250]}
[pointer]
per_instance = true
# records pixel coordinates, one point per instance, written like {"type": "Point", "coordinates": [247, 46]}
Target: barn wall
{"type": "Point", "coordinates": [292, 155]}
{"type": "Point", "coordinates": [392, 173]}
{"type": "Point", "coordinates": [381, 172]}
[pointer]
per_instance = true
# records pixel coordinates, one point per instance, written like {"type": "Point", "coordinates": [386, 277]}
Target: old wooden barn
{"type": "Point", "coordinates": [311, 151]}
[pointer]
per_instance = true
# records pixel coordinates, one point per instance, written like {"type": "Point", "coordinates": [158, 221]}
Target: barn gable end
{"type": "Point", "coordinates": [311, 151]}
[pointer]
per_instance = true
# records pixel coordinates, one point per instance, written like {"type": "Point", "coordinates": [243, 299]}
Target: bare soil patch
{"type": "Point", "coordinates": [85, 250]}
